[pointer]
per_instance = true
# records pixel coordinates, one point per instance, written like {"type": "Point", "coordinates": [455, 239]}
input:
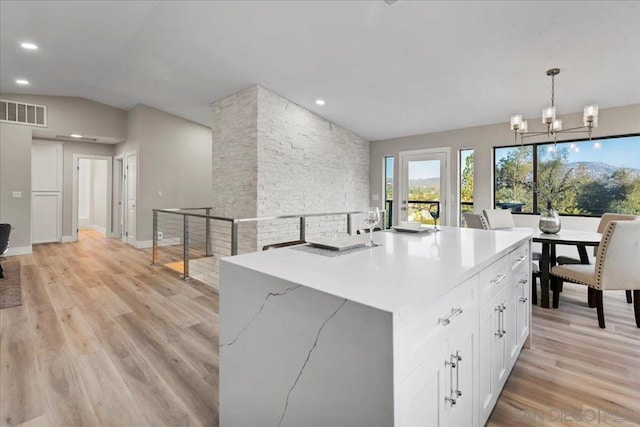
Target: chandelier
{"type": "Point", "coordinates": [554, 126]}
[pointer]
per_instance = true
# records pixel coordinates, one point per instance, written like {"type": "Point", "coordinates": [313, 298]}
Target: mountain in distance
{"type": "Point", "coordinates": [599, 170]}
{"type": "Point", "coordinates": [425, 183]}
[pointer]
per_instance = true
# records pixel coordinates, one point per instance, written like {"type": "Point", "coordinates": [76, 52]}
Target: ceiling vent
{"type": "Point", "coordinates": [389, 2]}
{"type": "Point", "coordinates": [22, 113]}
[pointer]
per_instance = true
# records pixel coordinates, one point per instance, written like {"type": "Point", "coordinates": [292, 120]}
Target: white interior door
{"type": "Point", "coordinates": [424, 185]}
{"type": "Point", "coordinates": [118, 193]}
{"type": "Point", "coordinates": [131, 185]}
{"type": "Point", "coordinates": [46, 192]}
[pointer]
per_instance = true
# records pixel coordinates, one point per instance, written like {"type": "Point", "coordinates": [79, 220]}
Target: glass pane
{"type": "Point", "coordinates": [424, 190]}
{"type": "Point", "coordinates": [466, 183]}
{"type": "Point", "coordinates": [514, 174]}
{"type": "Point", "coordinates": [22, 113]}
{"type": "Point", "coordinates": [590, 177]}
{"type": "Point", "coordinates": [40, 115]}
{"type": "Point", "coordinates": [388, 190]}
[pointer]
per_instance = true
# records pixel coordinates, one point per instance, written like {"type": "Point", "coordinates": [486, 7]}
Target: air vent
{"type": "Point", "coordinates": [22, 113]}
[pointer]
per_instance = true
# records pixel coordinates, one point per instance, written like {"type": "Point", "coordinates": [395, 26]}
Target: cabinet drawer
{"type": "Point", "coordinates": [420, 334]}
{"type": "Point", "coordinates": [519, 258]}
{"type": "Point", "coordinates": [493, 277]}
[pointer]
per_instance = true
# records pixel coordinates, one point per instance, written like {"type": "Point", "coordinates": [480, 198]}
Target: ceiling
{"type": "Point", "coordinates": [385, 71]}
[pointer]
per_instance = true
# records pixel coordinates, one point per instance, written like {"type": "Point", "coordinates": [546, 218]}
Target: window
{"type": "Point", "coordinates": [466, 183]}
{"type": "Point", "coordinates": [388, 190]}
{"type": "Point", "coordinates": [586, 178]}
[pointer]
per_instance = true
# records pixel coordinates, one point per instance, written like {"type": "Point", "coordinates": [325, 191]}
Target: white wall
{"type": "Point", "coordinates": [174, 158]}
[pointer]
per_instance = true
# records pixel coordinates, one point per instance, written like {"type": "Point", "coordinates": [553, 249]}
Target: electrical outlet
{"type": "Point", "coordinates": [160, 235]}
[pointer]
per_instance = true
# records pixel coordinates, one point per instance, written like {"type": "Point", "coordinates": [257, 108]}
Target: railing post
{"type": "Point", "coordinates": [207, 229]}
{"type": "Point", "coordinates": [303, 229]}
{"type": "Point", "coordinates": [154, 252]}
{"type": "Point", "coordinates": [185, 241]}
{"type": "Point", "coordinates": [234, 237]}
{"type": "Point", "coordinates": [349, 224]}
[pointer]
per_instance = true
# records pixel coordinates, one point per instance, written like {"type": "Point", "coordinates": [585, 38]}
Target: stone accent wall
{"type": "Point", "coordinates": [306, 164]}
{"type": "Point", "coordinates": [273, 157]}
{"type": "Point", "coordinates": [235, 168]}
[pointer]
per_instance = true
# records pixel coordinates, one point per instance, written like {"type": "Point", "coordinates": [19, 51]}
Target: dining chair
{"type": "Point", "coordinates": [5, 231]}
{"type": "Point", "coordinates": [604, 221]}
{"type": "Point", "coordinates": [616, 268]}
{"type": "Point", "coordinates": [474, 220]}
{"type": "Point", "coordinates": [498, 218]}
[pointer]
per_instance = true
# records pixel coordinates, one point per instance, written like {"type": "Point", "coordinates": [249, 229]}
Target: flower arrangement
{"type": "Point", "coordinates": [550, 186]}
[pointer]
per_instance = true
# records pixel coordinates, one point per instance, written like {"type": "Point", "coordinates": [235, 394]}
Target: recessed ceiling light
{"type": "Point", "coordinates": [75, 135]}
{"type": "Point", "coordinates": [320, 101]}
{"type": "Point", "coordinates": [29, 46]}
{"type": "Point", "coordinates": [22, 81]}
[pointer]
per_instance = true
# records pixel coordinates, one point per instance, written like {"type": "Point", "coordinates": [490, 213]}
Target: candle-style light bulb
{"type": "Point", "coordinates": [548, 115]}
{"type": "Point", "coordinates": [590, 116]}
{"type": "Point", "coordinates": [516, 121]}
{"type": "Point", "coordinates": [557, 125]}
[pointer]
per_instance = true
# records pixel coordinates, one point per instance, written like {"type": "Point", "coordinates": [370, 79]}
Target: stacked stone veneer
{"type": "Point", "coordinates": [273, 157]}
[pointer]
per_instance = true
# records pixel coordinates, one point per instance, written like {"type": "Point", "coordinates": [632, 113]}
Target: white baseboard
{"type": "Point", "coordinates": [144, 244]}
{"type": "Point", "coordinates": [68, 239]}
{"type": "Point", "coordinates": [24, 250]}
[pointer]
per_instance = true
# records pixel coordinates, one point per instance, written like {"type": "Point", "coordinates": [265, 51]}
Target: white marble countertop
{"type": "Point", "coordinates": [406, 271]}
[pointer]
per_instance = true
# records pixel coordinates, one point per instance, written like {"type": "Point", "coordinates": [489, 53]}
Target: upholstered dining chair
{"type": "Point", "coordinates": [474, 220]}
{"type": "Point", "coordinates": [498, 218]}
{"type": "Point", "coordinates": [604, 221]}
{"type": "Point", "coordinates": [616, 267]}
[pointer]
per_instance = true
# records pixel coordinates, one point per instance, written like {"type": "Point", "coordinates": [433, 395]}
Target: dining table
{"type": "Point", "coordinates": [578, 238]}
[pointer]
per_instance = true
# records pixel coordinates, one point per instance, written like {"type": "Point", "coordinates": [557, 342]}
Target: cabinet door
{"type": "Point", "coordinates": [510, 324]}
{"type": "Point", "coordinates": [488, 349]}
{"type": "Point", "coordinates": [460, 380]}
{"type": "Point", "coordinates": [422, 393]}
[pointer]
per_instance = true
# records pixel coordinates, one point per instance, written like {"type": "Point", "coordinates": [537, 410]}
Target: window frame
{"type": "Point", "coordinates": [534, 157]}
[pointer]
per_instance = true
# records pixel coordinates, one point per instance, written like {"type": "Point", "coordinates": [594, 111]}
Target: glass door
{"type": "Point", "coordinates": [424, 185]}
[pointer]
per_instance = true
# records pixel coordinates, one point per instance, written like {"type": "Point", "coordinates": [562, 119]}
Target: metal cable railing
{"type": "Point", "coordinates": [191, 240]}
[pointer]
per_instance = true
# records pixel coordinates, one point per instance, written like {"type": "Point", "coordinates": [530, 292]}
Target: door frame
{"type": "Point", "coordinates": [118, 196]}
{"type": "Point", "coordinates": [125, 183]}
{"type": "Point", "coordinates": [445, 185]}
{"type": "Point", "coordinates": [75, 201]}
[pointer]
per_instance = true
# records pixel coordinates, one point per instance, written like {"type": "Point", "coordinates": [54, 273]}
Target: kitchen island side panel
{"type": "Point", "coordinates": [294, 356]}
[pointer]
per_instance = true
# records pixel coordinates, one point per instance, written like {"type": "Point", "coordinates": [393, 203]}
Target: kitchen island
{"type": "Point", "coordinates": [420, 331]}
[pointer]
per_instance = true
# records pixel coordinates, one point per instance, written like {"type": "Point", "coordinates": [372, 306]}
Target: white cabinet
{"type": "Point", "coordinates": [503, 323]}
{"type": "Point", "coordinates": [440, 391]}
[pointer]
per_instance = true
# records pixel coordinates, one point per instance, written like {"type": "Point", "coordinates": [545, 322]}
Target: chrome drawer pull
{"type": "Point", "coordinates": [444, 321]}
{"type": "Point", "coordinates": [523, 281]}
{"type": "Point", "coordinates": [498, 279]}
{"type": "Point", "coordinates": [523, 300]}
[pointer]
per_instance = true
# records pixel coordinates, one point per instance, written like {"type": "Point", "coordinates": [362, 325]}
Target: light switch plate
{"type": "Point", "coordinates": [16, 194]}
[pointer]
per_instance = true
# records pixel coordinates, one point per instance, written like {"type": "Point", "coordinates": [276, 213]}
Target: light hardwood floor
{"type": "Point", "coordinates": [103, 338]}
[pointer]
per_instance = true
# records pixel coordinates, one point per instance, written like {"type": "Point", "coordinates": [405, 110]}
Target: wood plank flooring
{"type": "Point", "coordinates": [105, 339]}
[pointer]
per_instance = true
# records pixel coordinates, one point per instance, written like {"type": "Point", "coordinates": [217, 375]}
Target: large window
{"type": "Point", "coordinates": [579, 177]}
{"type": "Point", "coordinates": [466, 183]}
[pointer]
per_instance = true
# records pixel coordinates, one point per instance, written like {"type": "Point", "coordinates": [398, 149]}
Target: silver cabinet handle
{"type": "Point", "coordinates": [523, 281]}
{"type": "Point", "coordinates": [444, 321]}
{"type": "Point", "coordinates": [523, 300]}
{"type": "Point", "coordinates": [453, 362]}
{"type": "Point", "coordinates": [499, 278]}
{"type": "Point", "coordinates": [500, 333]}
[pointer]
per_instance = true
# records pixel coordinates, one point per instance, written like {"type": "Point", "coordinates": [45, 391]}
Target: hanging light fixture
{"type": "Point", "coordinates": [554, 126]}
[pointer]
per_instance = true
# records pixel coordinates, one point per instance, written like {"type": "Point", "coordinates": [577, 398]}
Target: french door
{"type": "Point", "coordinates": [424, 185]}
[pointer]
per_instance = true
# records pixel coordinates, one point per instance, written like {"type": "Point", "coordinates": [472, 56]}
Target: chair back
{"type": "Point", "coordinates": [617, 265]}
{"type": "Point", "coordinates": [474, 220]}
{"type": "Point", "coordinates": [5, 230]}
{"type": "Point", "coordinates": [498, 218]}
{"type": "Point", "coordinates": [607, 218]}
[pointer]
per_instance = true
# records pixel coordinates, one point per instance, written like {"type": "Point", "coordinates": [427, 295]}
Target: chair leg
{"type": "Point", "coordinates": [590, 297]}
{"type": "Point", "coordinates": [598, 298]}
{"type": "Point", "coordinates": [636, 305]}
{"type": "Point", "coordinates": [628, 292]}
{"type": "Point", "coordinates": [556, 285]}
{"type": "Point", "coordinates": [1, 272]}
{"type": "Point", "coordinates": [534, 290]}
